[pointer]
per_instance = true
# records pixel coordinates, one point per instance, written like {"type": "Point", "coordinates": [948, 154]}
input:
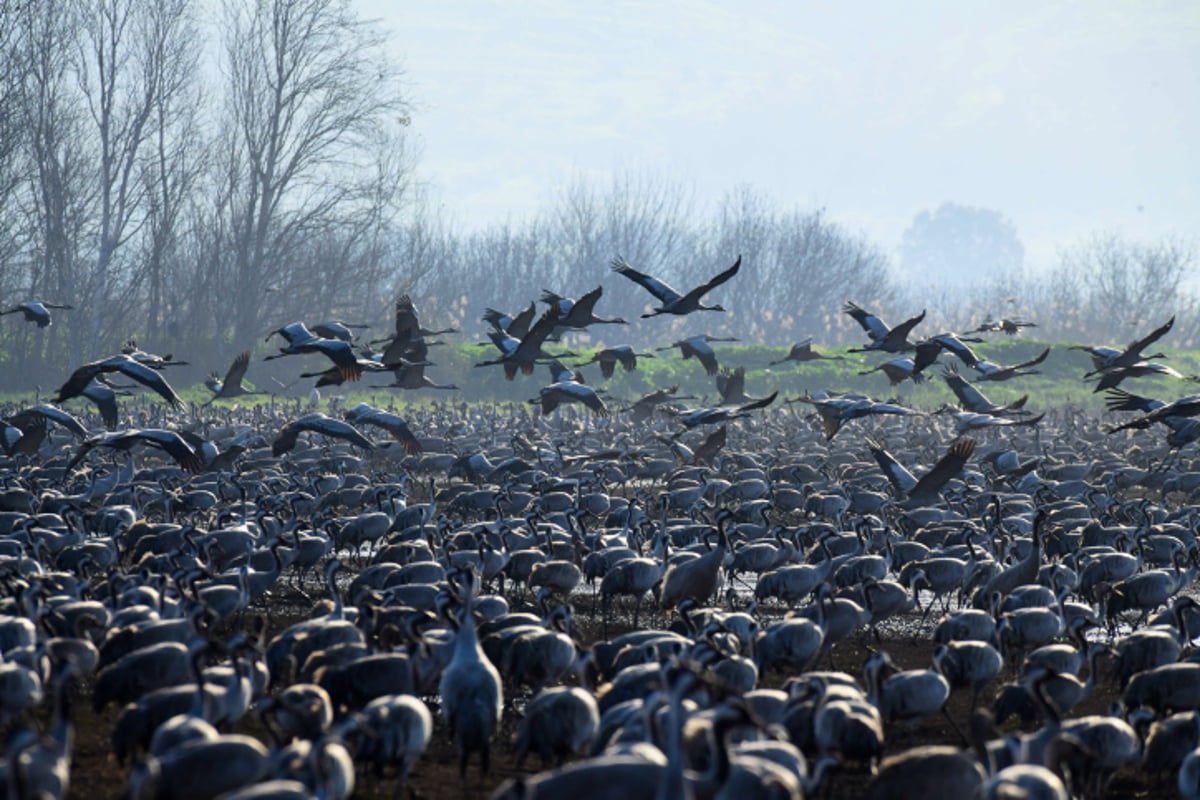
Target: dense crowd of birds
{"type": "Point", "coordinates": [474, 563]}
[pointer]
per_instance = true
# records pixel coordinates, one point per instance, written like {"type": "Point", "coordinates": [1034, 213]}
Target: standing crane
{"type": "Point", "coordinates": [471, 693]}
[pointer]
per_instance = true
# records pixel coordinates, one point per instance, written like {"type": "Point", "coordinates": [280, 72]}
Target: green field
{"type": "Point", "coordinates": [1059, 385]}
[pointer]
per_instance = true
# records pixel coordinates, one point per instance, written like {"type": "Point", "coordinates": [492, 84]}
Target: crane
{"type": "Point", "coordinates": [609, 357]}
{"type": "Point", "coordinates": [169, 442]}
{"type": "Point", "coordinates": [698, 347]}
{"type": "Point", "coordinates": [521, 354]}
{"type": "Point", "coordinates": [578, 313]}
{"type": "Point", "coordinates": [37, 311]}
{"type": "Point", "coordinates": [81, 377]}
{"type": "Point", "coordinates": [890, 340]}
{"type": "Point", "coordinates": [232, 385]}
{"type": "Point", "coordinates": [364, 414]}
{"type": "Point", "coordinates": [671, 301]}
{"type": "Point", "coordinates": [922, 492]}
{"type": "Point", "coordinates": [317, 423]}
{"type": "Point", "coordinates": [803, 351]}
{"type": "Point", "coordinates": [301, 340]}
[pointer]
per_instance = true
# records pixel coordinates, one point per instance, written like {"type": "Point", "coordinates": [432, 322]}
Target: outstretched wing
{"type": "Point", "coordinates": [1137, 346]}
{"type": "Point", "coordinates": [875, 327]}
{"type": "Point", "coordinates": [1121, 400]}
{"type": "Point", "coordinates": [397, 427]}
{"type": "Point", "coordinates": [150, 378]}
{"type": "Point", "coordinates": [948, 467]}
{"type": "Point", "coordinates": [970, 397]}
{"type": "Point", "coordinates": [46, 412]}
{"type": "Point", "coordinates": [78, 381]}
{"type": "Point", "coordinates": [586, 304]}
{"type": "Point", "coordinates": [901, 479]}
{"type": "Point", "coordinates": [902, 330]}
{"type": "Point", "coordinates": [704, 288]}
{"type": "Point", "coordinates": [343, 357]}
{"type": "Point", "coordinates": [318, 423]}
{"type": "Point", "coordinates": [757, 404]}
{"type": "Point", "coordinates": [408, 324]}
{"type": "Point", "coordinates": [731, 385]}
{"type": "Point", "coordinates": [237, 370]}
{"type": "Point", "coordinates": [106, 403]}
{"type": "Point", "coordinates": [665, 294]}
{"type": "Point", "coordinates": [958, 347]}
{"type": "Point", "coordinates": [531, 343]}
{"type": "Point", "coordinates": [927, 353]}
{"type": "Point", "coordinates": [1033, 362]}
{"type": "Point", "coordinates": [520, 324]}
{"type": "Point", "coordinates": [711, 446]}
{"type": "Point", "coordinates": [173, 445]}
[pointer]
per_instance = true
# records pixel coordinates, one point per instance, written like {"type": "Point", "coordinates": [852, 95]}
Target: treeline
{"type": "Point", "coordinates": [798, 266]}
{"type": "Point", "coordinates": [1105, 290]}
{"type": "Point", "coordinates": [195, 179]}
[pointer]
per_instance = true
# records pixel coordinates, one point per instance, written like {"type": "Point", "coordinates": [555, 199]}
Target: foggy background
{"type": "Point", "coordinates": [195, 174]}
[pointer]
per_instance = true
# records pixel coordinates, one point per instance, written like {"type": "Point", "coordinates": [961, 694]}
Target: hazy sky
{"type": "Point", "coordinates": [1068, 117]}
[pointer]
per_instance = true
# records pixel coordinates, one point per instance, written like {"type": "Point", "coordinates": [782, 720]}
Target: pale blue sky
{"type": "Point", "coordinates": [1068, 117]}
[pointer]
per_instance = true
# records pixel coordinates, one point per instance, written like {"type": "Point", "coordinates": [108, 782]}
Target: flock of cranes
{"type": "Point", "coordinates": [661, 602]}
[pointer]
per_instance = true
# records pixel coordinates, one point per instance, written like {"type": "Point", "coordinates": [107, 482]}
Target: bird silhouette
{"type": "Point", "coordinates": [37, 311]}
{"type": "Point", "coordinates": [671, 301]}
{"type": "Point", "coordinates": [81, 377]}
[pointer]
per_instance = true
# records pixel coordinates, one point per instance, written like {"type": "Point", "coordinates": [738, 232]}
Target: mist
{"type": "Point", "coordinates": [1065, 119]}
{"type": "Point", "coordinates": [1025, 160]}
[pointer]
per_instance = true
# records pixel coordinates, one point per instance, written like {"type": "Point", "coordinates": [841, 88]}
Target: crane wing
{"type": "Point", "coordinates": [720, 278]}
{"type": "Point", "coordinates": [875, 327]}
{"type": "Point", "coordinates": [150, 378]}
{"type": "Point", "coordinates": [901, 479]}
{"type": "Point", "coordinates": [665, 294]}
{"type": "Point", "coordinates": [927, 488]}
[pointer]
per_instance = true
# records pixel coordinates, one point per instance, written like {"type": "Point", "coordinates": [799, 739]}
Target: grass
{"type": "Point", "coordinates": [1058, 385]}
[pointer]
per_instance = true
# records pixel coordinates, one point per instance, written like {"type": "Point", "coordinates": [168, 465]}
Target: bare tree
{"type": "Point", "coordinates": [642, 217]}
{"type": "Point", "coordinates": [120, 53]}
{"type": "Point", "coordinates": [798, 268]}
{"type": "Point", "coordinates": [176, 154]}
{"type": "Point", "coordinates": [14, 66]}
{"type": "Point", "coordinates": [53, 200]}
{"type": "Point", "coordinates": [309, 91]}
{"type": "Point", "coordinates": [1133, 282]}
{"type": "Point", "coordinates": [426, 252]}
